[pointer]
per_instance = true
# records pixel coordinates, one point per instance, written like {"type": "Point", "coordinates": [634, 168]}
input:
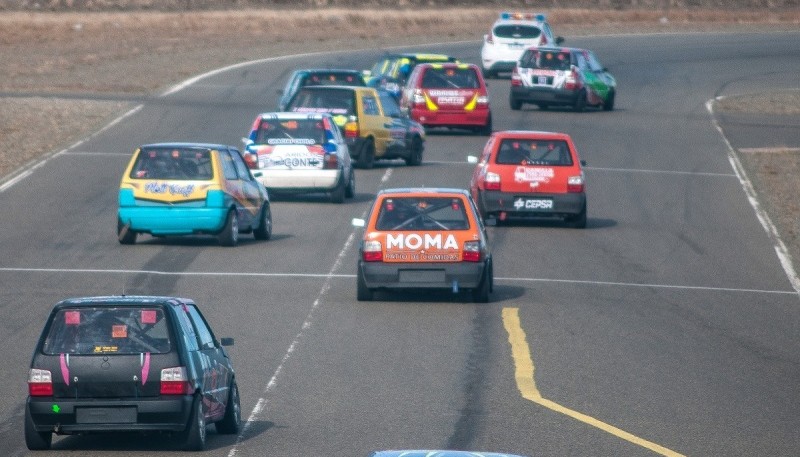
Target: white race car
{"type": "Point", "coordinates": [510, 35]}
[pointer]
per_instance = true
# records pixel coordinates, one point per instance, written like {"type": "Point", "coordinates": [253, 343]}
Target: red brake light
{"type": "Point", "coordinates": [351, 130]}
{"type": "Point", "coordinates": [572, 82]}
{"type": "Point", "coordinates": [251, 159]}
{"type": "Point", "coordinates": [174, 381]}
{"type": "Point", "coordinates": [40, 383]}
{"type": "Point", "coordinates": [516, 80]}
{"type": "Point", "coordinates": [490, 38]}
{"type": "Point", "coordinates": [372, 251]}
{"type": "Point", "coordinates": [472, 251]}
{"type": "Point", "coordinates": [330, 162]}
{"type": "Point", "coordinates": [575, 184]}
{"type": "Point", "coordinates": [492, 181]}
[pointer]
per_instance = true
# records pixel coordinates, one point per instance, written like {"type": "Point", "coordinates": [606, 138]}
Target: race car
{"type": "Point", "coordinates": [318, 77]}
{"type": "Point", "coordinates": [429, 238]}
{"type": "Point", "coordinates": [509, 36]}
{"type": "Point", "coordinates": [530, 174]}
{"type": "Point", "coordinates": [448, 95]}
{"type": "Point", "coordinates": [561, 76]}
{"type": "Point", "coordinates": [300, 153]}
{"type": "Point", "coordinates": [392, 71]}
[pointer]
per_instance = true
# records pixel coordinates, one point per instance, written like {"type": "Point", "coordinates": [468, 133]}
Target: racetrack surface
{"type": "Point", "coordinates": [670, 318]}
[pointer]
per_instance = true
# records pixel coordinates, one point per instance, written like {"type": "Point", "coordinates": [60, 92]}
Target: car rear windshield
{"type": "Point", "coordinates": [108, 330]}
{"type": "Point", "coordinates": [450, 78]}
{"type": "Point", "coordinates": [516, 31]}
{"type": "Point", "coordinates": [173, 163]}
{"type": "Point", "coordinates": [533, 152]}
{"type": "Point", "coordinates": [291, 131]}
{"type": "Point", "coordinates": [422, 213]}
{"type": "Point", "coordinates": [333, 78]}
{"type": "Point", "coordinates": [546, 60]}
{"type": "Point", "coordinates": [334, 101]}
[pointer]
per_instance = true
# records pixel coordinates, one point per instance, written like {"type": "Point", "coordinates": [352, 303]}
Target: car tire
{"type": "Point", "coordinates": [350, 190]}
{"type": "Point", "coordinates": [579, 220]}
{"type": "Point", "coordinates": [232, 421]}
{"type": "Point", "coordinates": [366, 159]}
{"type": "Point", "coordinates": [580, 101]}
{"type": "Point", "coordinates": [194, 437]}
{"type": "Point", "coordinates": [543, 106]}
{"type": "Point", "coordinates": [124, 233]}
{"type": "Point", "coordinates": [363, 293]}
{"type": "Point", "coordinates": [609, 103]}
{"type": "Point", "coordinates": [337, 194]}
{"type": "Point", "coordinates": [516, 105]}
{"type": "Point", "coordinates": [481, 293]}
{"type": "Point", "coordinates": [35, 440]}
{"type": "Point", "coordinates": [264, 230]}
{"type": "Point", "coordinates": [488, 74]}
{"type": "Point", "coordinates": [486, 129]}
{"type": "Point", "coordinates": [415, 152]}
{"type": "Point", "coordinates": [229, 235]}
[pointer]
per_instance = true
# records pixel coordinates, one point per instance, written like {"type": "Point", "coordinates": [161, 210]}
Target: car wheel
{"type": "Point", "coordinates": [543, 106]}
{"type": "Point", "coordinates": [35, 440]}
{"type": "Point", "coordinates": [194, 437]}
{"type": "Point", "coordinates": [232, 420]}
{"type": "Point", "coordinates": [487, 129]}
{"type": "Point", "coordinates": [264, 230]}
{"type": "Point", "coordinates": [366, 159]}
{"type": "Point", "coordinates": [350, 190]}
{"type": "Point", "coordinates": [363, 293]}
{"type": "Point", "coordinates": [415, 152]}
{"type": "Point", "coordinates": [579, 220]}
{"type": "Point", "coordinates": [609, 103]}
{"type": "Point", "coordinates": [229, 235]}
{"type": "Point", "coordinates": [481, 293]}
{"type": "Point", "coordinates": [124, 233]}
{"type": "Point", "coordinates": [487, 74]}
{"type": "Point", "coordinates": [516, 105]}
{"type": "Point", "coordinates": [580, 101]}
{"type": "Point", "coordinates": [337, 194]}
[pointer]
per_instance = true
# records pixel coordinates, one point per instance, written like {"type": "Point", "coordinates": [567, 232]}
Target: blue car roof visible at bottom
{"type": "Point", "coordinates": [178, 144]}
{"type": "Point", "coordinates": [439, 453]}
{"type": "Point", "coordinates": [121, 300]}
{"type": "Point", "coordinates": [432, 190]}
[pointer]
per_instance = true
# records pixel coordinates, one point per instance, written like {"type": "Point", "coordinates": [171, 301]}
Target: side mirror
{"type": "Point", "coordinates": [486, 37]}
{"type": "Point", "coordinates": [356, 222]}
{"type": "Point", "coordinates": [583, 163]}
{"type": "Point", "coordinates": [559, 39]}
{"type": "Point", "coordinates": [257, 173]}
{"type": "Point", "coordinates": [226, 341]}
{"type": "Point", "coordinates": [472, 159]}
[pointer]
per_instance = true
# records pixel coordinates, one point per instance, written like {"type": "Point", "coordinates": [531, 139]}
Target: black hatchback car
{"type": "Point", "coordinates": [130, 363]}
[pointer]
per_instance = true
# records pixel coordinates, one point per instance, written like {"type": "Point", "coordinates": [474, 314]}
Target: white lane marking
{"type": "Point", "coordinates": [769, 150]}
{"type": "Point", "coordinates": [772, 232]}
{"type": "Point", "coordinates": [332, 275]}
{"type": "Point", "coordinates": [273, 381]}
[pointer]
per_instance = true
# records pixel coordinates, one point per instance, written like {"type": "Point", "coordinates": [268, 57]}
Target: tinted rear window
{"type": "Point", "coordinates": [335, 101]}
{"type": "Point", "coordinates": [173, 163]}
{"type": "Point", "coordinates": [547, 60]}
{"type": "Point", "coordinates": [106, 330]}
{"type": "Point", "coordinates": [291, 131]}
{"type": "Point", "coordinates": [524, 32]}
{"type": "Point", "coordinates": [422, 213]}
{"type": "Point", "coordinates": [450, 78]}
{"type": "Point", "coordinates": [333, 78]}
{"type": "Point", "coordinates": [533, 152]}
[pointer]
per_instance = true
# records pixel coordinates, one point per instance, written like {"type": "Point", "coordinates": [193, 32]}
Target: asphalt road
{"type": "Point", "coordinates": [668, 326]}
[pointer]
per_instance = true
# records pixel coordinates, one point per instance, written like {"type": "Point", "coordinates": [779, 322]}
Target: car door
{"type": "Point", "coordinates": [399, 134]}
{"type": "Point", "coordinates": [374, 122]}
{"type": "Point", "coordinates": [594, 77]}
{"type": "Point", "coordinates": [252, 198]}
{"type": "Point", "coordinates": [217, 371]}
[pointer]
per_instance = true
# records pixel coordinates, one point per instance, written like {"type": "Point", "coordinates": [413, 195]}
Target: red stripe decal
{"type": "Point", "coordinates": [145, 367]}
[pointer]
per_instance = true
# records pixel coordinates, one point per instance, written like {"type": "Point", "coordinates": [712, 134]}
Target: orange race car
{"type": "Point", "coordinates": [424, 239]}
{"type": "Point", "coordinates": [528, 174]}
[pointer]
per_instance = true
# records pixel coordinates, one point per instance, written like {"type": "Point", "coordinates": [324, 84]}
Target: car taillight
{"type": "Point", "coordinates": [483, 100]}
{"type": "Point", "coordinates": [174, 381]}
{"type": "Point", "coordinates": [572, 82]}
{"type": "Point", "coordinates": [251, 159]}
{"type": "Point", "coordinates": [490, 38]}
{"type": "Point", "coordinates": [351, 130]}
{"type": "Point", "coordinates": [418, 98]}
{"type": "Point", "coordinates": [492, 181]}
{"type": "Point", "coordinates": [372, 251]}
{"type": "Point", "coordinates": [544, 40]}
{"type": "Point", "coordinates": [516, 79]}
{"type": "Point", "coordinates": [40, 383]}
{"type": "Point", "coordinates": [575, 184]}
{"type": "Point", "coordinates": [330, 161]}
{"type": "Point", "coordinates": [472, 251]}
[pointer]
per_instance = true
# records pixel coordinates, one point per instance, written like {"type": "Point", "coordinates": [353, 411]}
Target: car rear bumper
{"type": "Point", "coordinates": [543, 94]}
{"type": "Point", "coordinates": [172, 220]}
{"type": "Point", "coordinates": [383, 275]}
{"type": "Point", "coordinates": [66, 416]}
{"type": "Point", "coordinates": [477, 118]}
{"type": "Point", "coordinates": [300, 180]}
{"type": "Point", "coordinates": [492, 203]}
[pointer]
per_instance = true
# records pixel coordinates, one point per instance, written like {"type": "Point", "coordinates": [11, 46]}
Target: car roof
{"type": "Point", "coordinates": [555, 49]}
{"type": "Point", "coordinates": [529, 134]}
{"type": "Point", "coordinates": [292, 115]}
{"type": "Point", "coordinates": [418, 55]}
{"type": "Point", "coordinates": [121, 300]}
{"type": "Point", "coordinates": [518, 17]}
{"type": "Point", "coordinates": [447, 65]}
{"type": "Point", "coordinates": [185, 145]}
{"type": "Point", "coordinates": [328, 70]}
{"type": "Point", "coordinates": [422, 190]}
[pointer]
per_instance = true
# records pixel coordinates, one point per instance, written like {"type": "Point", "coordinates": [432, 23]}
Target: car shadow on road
{"type": "Point", "coordinates": [592, 223]}
{"type": "Point", "coordinates": [245, 239]}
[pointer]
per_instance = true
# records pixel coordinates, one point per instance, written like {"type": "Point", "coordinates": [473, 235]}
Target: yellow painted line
{"type": "Point", "coordinates": [523, 372]}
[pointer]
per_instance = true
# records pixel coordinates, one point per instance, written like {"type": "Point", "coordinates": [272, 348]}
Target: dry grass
{"type": "Point", "coordinates": [785, 102]}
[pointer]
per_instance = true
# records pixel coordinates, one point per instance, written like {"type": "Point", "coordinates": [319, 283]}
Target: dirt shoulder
{"type": "Point", "coordinates": [76, 71]}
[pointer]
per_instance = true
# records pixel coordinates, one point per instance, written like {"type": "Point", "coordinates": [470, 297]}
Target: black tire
{"type": "Point", "coordinates": [124, 233]}
{"type": "Point", "coordinates": [337, 194]}
{"type": "Point", "coordinates": [543, 106]}
{"type": "Point", "coordinates": [415, 152]}
{"type": "Point", "coordinates": [194, 437]}
{"type": "Point", "coordinates": [366, 159]}
{"type": "Point", "coordinates": [229, 235]}
{"type": "Point", "coordinates": [579, 220]}
{"type": "Point", "coordinates": [488, 74]}
{"type": "Point", "coordinates": [609, 104]}
{"type": "Point", "coordinates": [232, 421]}
{"type": "Point", "coordinates": [580, 101]}
{"type": "Point", "coordinates": [486, 129]}
{"type": "Point", "coordinates": [363, 293]}
{"type": "Point", "coordinates": [516, 105]}
{"type": "Point", "coordinates": [481, 293]}
{"type": "Point", "coordinates": [350, 190]}
{"type": "Point", "coordinates": [264, 230]}
{"type": "Point", "coordinates": [35, 440]}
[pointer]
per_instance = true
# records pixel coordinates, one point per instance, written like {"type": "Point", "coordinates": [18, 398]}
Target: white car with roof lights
{"type": "Point", "coordinates": [509, 36]}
